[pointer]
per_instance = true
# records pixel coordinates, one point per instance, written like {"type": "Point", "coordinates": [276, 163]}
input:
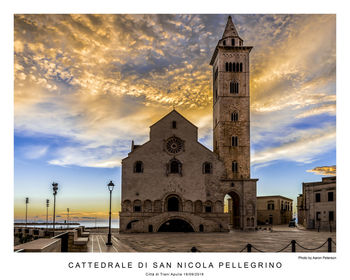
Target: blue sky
{"type": "Point", "coordinates": [86, 85]}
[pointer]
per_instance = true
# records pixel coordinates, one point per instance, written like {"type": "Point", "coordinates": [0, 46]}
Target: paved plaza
{"type": "Point", "coordinates": [234, 241]}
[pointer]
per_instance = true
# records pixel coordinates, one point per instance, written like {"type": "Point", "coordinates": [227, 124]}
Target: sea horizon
{"type": "Point", "coordinates": [91, 223]}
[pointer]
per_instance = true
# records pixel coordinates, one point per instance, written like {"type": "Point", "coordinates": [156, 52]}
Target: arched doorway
{"type": "Point", "coordinates": [232, 206]}
{"type": "Point", "coordinates": [175, 225]}
{"type": "Point", "coordinates": [129, 225]}
{"type": "Point", "coordinates": [173, 203]}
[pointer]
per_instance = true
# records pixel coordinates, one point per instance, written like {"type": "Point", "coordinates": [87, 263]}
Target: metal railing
{"type": "Point", "coordinates": [293, 244]}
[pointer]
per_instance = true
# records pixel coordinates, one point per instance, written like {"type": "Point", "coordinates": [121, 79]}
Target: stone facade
{"type": "Point", "coordinates": [174, 183]}
{"type": "Point", "coordinates": [317, 204]}
{"type": "Point", "coordinates": [274, 210]}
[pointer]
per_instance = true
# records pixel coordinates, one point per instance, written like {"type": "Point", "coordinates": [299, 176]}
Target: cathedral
{"type": "Point", "coordinates": [172, 183]}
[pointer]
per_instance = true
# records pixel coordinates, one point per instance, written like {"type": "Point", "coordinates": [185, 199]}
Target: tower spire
{"type": "Point", "coordinates": [230, 29]}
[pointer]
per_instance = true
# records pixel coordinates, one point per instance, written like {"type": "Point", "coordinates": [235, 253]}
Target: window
{"type": "Point", "coordinates": [230, 67]}
{"type": "Point", "coordinates": [234, 141]}
{"type": "Point", "coordinates": [138, 167]}
{"type": "Point", "coordinates": [207, 169]}
{"type": "Point", "coordinates": [234, 87]}
{"type": "Point", "coordinates": [226, 66]}
{"type": "Point", "coordinates": [270, 205]}
{"type": "Point", "coordinates": [174, 124]}
{"type": "Point", "coordinates": [174, 167]}
{"type": "Point", "coordinates": [318, 197]}
{"type": "Point", "coordinates": [318, 216]}
{"type": "Point", "coordinates": [234, 116]}
{"type": "Point", "coordinates": [216, 94]}
{"type": "Point", "coordinates": [234, 167]}
{"type": "Point", "coordinates": [330, 196]}
{"type": "Point", "coordinates": [207, 209]}
{"type": "Point", "coordinates": [331, 216]}
{"type": "Point", "coordinates": [216, 74]}
{"type": "Point", "coordinates": [137, 208]}
{"type": "Point", "coordinates": [240, 67]}
{"type": "Point", "coordinates": [224, 42]}
{"type": "Point", "coordinates": [232, 42]}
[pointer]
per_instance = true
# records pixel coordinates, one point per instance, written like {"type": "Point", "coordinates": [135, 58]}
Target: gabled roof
{"type": "Point", "coordinates": [174, 112]}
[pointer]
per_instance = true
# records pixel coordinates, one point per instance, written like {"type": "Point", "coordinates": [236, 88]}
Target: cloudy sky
{"type": "Point", "coordinates": [86, 85]}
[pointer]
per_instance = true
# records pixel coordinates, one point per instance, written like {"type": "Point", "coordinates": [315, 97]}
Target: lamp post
{"type": "Point", "coordinates": [55, 189]}
{"type": "Point", "coordinates": [27, 201]}
{"type": "Point", "coordinates": [47, 213]}
{"type": "Point", "coordinates": [67, 217]}
{"type": "Point", "coordinates": [110, 188]}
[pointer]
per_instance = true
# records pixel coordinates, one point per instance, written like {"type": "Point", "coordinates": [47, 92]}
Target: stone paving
{"type": "Point", "coordinates": [97, 244]}
{"type": "Point", "coordinates": [234, 241]}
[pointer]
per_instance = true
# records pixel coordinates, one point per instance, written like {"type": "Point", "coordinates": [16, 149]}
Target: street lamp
{"type": "Point", "coordinates": [55, 189]}
{"type": "Point", "coordinates": [27, 201]}
{"type": "Point", "coordinates": [47, 213]}
{"type": "Point", "coordinates": [110, 188]}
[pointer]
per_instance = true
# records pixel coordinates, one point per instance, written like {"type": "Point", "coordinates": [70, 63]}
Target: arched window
{"type": "Point", "coordinates": [226, 66]}
{"type": "Point", "coordinates": [234, 141]}
{"type": "Point", "coordinates": [270, 205]}
{"type": "Point", "coordinates": [138, 167]}
{"type": "Point", "coordinates": [207, 168]}
{"type": "Point", "coordinates": [234, 167]}
{"type": "Point", "coordinates": [234, 87]}
{"type": "Point", "coordinates": [173, 204]}
{"type": "Point", "coordinates": [174, 167]}
{"type": "Point", "coordinates": [237, 67]}
{"type": "Point", "coordinates": [230, 67]}
{"type": "Point", "coordinates": [208, 207]}
{"type": "Point", "coordinates": [241, 67]}
{"type": "Point", "coordinates": [137, 205]}
{"type": "Point", "coordinates": [198, 206]}
{"type": "Point", "coordinates": [234, 117]}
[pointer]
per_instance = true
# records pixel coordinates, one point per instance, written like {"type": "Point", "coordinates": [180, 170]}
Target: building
{"type": "Point", "coordinates": [274, 210]}
{"type": "Point", "coordinates": [317, 204]}
{"type": "Point", "coordinates": [174, 183]}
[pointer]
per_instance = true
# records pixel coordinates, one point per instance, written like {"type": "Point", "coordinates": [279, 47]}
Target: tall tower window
{"type": "Point", "coordinates": [234, 141]}
{"type": "Point", "coordinates": [233, 42]}
{"type": "Point", "coordinates": [234, 117]}
{"type": "Point", "coordinates": [234, 167]}
{"type": "Point", "coordinates": [241, 67]}
{"type": "Point", "coordinates": [234, 87]}
{"type": "Point", "coordinates": [237, 67]}
{"type": "Point", "coordinates": [230, 67]}
{"type": "Point", "coordinates": [226, 66]}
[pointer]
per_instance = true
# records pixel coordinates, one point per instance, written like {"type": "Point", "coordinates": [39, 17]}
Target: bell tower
{"type": "Point", "coordinates": [231, 105]}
